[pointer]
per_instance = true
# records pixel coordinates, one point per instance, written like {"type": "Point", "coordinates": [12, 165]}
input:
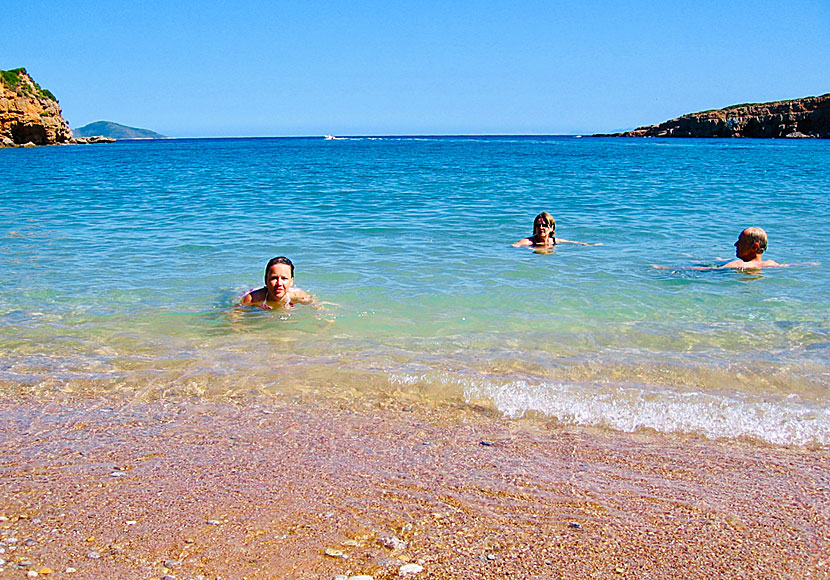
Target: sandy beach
{"type": "Point", "coordinates": [190, 489]}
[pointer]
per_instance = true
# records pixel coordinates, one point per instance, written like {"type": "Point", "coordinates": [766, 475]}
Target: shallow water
{"type": "Point", "coordinates": [119, 265]}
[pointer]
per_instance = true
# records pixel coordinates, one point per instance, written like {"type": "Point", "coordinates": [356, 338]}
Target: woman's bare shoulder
{"type": "Point", "coordinates": [257, 295]}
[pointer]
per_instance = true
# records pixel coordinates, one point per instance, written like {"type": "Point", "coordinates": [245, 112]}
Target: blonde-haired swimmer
{"type": "Point", "coordinates": [544, 234]}
{"type": "Point", "coordinates": [278, 291]}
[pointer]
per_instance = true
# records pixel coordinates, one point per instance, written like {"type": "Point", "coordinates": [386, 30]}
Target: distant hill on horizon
{"type": "Point", "coordinates": [115, 131]}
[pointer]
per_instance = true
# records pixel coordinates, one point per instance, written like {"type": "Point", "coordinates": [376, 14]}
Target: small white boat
{"type": "Point", "coordinates": [329, 137]}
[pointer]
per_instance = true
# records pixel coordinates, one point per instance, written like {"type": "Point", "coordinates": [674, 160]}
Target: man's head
{"type": "Point", "coordinates": [751, 243]}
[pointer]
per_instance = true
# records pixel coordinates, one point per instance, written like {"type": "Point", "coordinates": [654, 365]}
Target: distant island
{"type": "Point", "coordinates": [796, 119]}
{"type": "Point", "coordinates": [115, 131]}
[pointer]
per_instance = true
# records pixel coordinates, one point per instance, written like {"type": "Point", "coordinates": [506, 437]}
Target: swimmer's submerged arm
{"type": "Point", "coordinates": [658, 267]}
{"type": "Point", "coordinates": [733, 265]}
{"type": "Point", "coordinates": [564, 241]}
{"type": "Point", "coordinates": [302, 297]}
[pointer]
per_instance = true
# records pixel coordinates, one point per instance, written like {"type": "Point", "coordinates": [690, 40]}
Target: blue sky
{"type": "Point", "coordinates": [199, 69]}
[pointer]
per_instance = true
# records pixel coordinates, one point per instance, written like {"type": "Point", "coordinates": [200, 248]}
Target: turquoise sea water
{"type": "Point", "coordinates": [119, 265]}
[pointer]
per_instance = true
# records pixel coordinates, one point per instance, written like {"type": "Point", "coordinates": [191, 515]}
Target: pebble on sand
{"type": "Point", "coordinates": [410, 569]}
{"type": "Point", "coordinates": [392, 542]}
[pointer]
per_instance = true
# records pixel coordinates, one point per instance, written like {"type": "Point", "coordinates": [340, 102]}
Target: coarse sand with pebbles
{"type": "Point", "coordinates": [207, 490]}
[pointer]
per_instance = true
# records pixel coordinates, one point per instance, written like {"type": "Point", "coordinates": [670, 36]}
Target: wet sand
{"type": "Point", "coordinates": [193, 489]}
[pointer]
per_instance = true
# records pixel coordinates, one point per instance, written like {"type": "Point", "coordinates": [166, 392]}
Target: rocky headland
{"type": "Point", "coordinates": [31, 116]}
{"type": "Point", "coordinates": [795, 119]}
{"type": "Point", "coordinates": [28, 113]}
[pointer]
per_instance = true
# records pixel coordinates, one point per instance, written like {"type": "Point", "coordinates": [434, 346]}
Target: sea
{"type": "Point", "coordinates": [121, 266]}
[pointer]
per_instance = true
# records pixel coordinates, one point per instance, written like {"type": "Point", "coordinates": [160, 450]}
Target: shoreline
{"type": "Point", "coordinates": [198, 489]}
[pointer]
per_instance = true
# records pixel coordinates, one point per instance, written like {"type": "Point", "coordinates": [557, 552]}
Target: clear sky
{"type": "Point", "coordinates": [308, 67]}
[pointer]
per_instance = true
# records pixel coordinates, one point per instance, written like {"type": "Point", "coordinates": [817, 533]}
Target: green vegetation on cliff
{"type": "Point", "coordinates": [11, 78]}
{"type": "Point", "coordinates": [745, 105]}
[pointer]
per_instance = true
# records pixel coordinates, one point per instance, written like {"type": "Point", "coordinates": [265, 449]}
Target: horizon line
{"type": "Point", "coordinates": [365, 136]}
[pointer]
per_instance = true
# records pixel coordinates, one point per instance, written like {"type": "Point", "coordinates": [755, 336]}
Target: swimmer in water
{"type": "Point", "coordinates": [278, 291]}
{"type": "Point", "coordinates": [544, 234]}
{"type": "Point", "coordinates": [749, 249]}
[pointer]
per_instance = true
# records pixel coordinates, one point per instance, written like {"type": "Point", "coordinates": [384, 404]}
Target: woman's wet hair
{"type": "Point", "coordinates": [279, 260]}
{"type": "Point", "coordinates": [546, 218]}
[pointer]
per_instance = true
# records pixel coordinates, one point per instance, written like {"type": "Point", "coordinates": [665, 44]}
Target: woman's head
{"type": "Point", "coordinates": [544, 222]}
{"type": "Point", "coordinates": [279, 260]}
{"type": "Point", "coordinates": [279, 277]}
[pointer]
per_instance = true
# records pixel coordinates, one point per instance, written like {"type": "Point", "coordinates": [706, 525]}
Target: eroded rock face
{"type": "Point", "coordinates": [800, 118]}
{"type": "Point", "coordinates": [29, 114]}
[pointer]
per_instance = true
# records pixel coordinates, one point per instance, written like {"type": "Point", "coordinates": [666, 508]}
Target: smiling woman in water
{"type": "Point", "coordinates": [278, 291]}
{"type": "Point", "coordinates": [544, 234]}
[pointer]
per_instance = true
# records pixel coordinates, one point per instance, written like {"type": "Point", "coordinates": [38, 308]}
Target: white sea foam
{"type": "Point", "coordinates": [628, 408]}
{"type": "Point", "coordinates": [785, 420]}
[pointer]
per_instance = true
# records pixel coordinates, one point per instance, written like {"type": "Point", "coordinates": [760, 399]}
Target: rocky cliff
{"type": "Point", "coordinates": [799, 118]}
{"type": "Point", "coordinates": [28, 113]}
